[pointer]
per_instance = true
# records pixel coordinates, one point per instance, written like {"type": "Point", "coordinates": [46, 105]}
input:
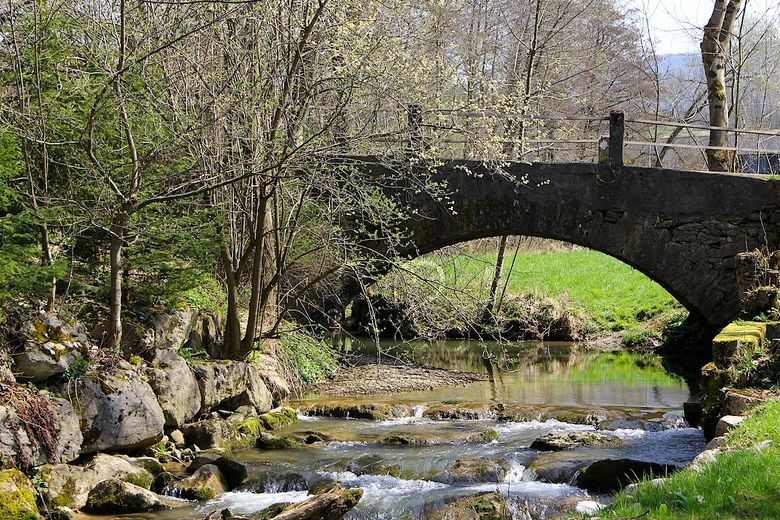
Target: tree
{"type": "Point", "coordinates": [715, 48]}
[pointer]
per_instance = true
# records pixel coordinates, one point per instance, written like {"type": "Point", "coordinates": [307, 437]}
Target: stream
{"type": "Point", "coordinates": [636, 398]}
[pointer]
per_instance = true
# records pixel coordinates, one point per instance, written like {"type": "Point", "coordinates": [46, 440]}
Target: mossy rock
{"type": "Point", "coordinates": [737, 340]}
{"type": "Point", "coordinates": [278, 418]}
{"type": "Point", "coordinates": [488, 435]}
{"type": "Point", "coordinates": [558, 441]}
{"type": "Point", "coordinates": [17, 496]}
{"type": "Point", "coordinates": [373, 465]}
{"type": "Point", "coordinates": [269, 441]}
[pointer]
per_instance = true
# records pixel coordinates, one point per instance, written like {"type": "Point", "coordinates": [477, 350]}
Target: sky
{"type": "Point", "coordinates": [676, 25]}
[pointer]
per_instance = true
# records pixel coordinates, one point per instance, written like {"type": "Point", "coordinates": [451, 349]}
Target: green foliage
{"type": "Point", "coordinates": [76, 369]}
{"type": "Point", "coordinates": [738, 484]}
{"type": "Point", "coordinates": [311, 358]}
{"type": "Point", "coordinates": [640, 337]}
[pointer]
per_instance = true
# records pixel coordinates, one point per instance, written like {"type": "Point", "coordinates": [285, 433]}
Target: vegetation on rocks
{"type": "Point", "coordinates": [17, 496]}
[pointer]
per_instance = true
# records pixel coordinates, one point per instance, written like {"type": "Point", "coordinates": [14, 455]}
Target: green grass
{"type": "Point", "coordinates": [615, 295]}
{"type": "Point", "coordinates": [743, 484]}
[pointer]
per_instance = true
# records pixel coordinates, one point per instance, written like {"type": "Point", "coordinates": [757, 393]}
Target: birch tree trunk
{"type": "Point", "coordinates": [714, 52]}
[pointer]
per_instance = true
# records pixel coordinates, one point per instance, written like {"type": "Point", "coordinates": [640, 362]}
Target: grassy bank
{"type": "Point", "coordinates": [612, 293]}
{"type": "Point", "coordinates": [606, 294]}
{"type": "Point", "coordinates": [744, 483]}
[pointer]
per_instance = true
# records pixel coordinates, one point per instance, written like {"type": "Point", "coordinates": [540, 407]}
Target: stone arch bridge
{"type": "Point", "coordinates": [682, 229]}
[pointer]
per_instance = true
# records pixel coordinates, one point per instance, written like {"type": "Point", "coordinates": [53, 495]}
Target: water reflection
{"type": "Point", "coordinates": [537, 373]}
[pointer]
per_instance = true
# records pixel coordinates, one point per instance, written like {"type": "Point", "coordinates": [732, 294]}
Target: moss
{"type": "Point", "coordinates": [251, 426]}
{"type": "Point", "coordinates": [139, 479]}
{"type": "Point", "coordinates": [488, 435]}
{"type": "Point", "coordinates": [737, 340]}
{"type": "Point", "coordinates": [17, 496]}
{"type": "Point", "coordinates": [269, 441]}
{"type": "Point", "coordinates": [278, 418]}
{"type": "Point", "coordinates": [204, 493]}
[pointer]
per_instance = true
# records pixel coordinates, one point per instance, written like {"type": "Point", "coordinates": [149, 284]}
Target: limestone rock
{"type": "Point", "coordinates": [268, 368]}
{"type": "Point", "coordinates": [172, 330]}
{"type": "Point", "coordinates": [213, 433]}
{"type": "Point", "coordinates": [715, 443]}
{"type": "Point", "coordinates": [206, 483]}
{"type": "Point", "coordinates": [562, 440]}
{"type": "Point", "coordinates": [12, 433]}
{"type": "Point", "coordinates": [726, 424]}
{"type": "Point", "coordinates": [473, 470]}
{"type": "Point", "coordinates": [175, 386]}
{"type": "Point", "coordinates": [269, 441]}
{"type": "Point", "coordinates": [206, 334]}
{"type": "Point", "coordinates": [703, 459]}
{"type": "Point", "coordinates": [177, 437]}
{"type": "Point", "coordinates": [17, 496]}
{"type": "Point", "coordinates": [49, 347]}
{"type": "Point", "coordinates": [604, 476]}
{"type": "Point", "coordinates": [372, 411]}
{"type": "Point", "coordinates": [483, 506]}
{"type": "Point", "coordinates": [119, 412]}
{"type": "Point", "coordinates": [69, 486]}
{"type": "Point", "coordinates": [230, 385]}
{"type": "Point", "coordinates": [333, 504]}
{"type": "Point", "coordinates": [371, 464]}
{"type": "Point", "coordinates": [737, 402]}
{"type": "Point", "coordinates": [118, 497]}
{"type": "Point", "coordinates": [589, 507]}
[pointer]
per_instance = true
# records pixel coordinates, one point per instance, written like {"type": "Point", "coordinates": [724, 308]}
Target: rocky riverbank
{"type": "Point", "coordinates": [82, 429]}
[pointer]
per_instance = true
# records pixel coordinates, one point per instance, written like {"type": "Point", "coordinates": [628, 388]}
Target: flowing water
{"type": "Point", "coordinates": [408, 481]}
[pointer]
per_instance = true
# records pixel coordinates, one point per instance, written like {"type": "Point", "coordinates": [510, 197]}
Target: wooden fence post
{"type": "Point", "coordinates": [617, 132]}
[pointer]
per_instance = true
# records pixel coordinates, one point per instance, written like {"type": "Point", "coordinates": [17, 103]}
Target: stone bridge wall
{"type": "Point", "coordinates": [681, 229]}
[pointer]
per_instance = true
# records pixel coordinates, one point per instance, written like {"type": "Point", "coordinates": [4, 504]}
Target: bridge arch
{"type": "Point", "coordinates": [681, 229]}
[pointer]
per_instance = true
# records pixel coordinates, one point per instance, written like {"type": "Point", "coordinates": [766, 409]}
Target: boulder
{"type": "Point", "coordinates": [229, 385]}
{"type": "Point", "coordinates": [704, 459]}
{"type": "Point", "coordinates": [562, 440]}
{"type": "Point", "coordinates": [215, 433]}
{"type": "Point", "coordinates": [175, 386]}
{"type": "Point", "coordinates": [332, 504]}
{"type": "Point", "coordinates": [487, 435]}
{"type": "Point", "coordinates": [69, 486]}
{"type": "Point", "coordinates": [206, 483]}
{"type": "Point", "coordinates": [726, 424]}
{"type": "Point", "coordinates": [206, 334]}
{"type": "Point", "coordinates": [473, 470]}
{"type": "Point", "coordinates": [119, 412]}
{"type": "Point", "coordinates": [560, 467]}
{"type": "Point", "coordinates": [269, 441]}
{"type": "Point", "coordinates": [177, 437]}
{"type": "Point", "coordinates": [371, 411]}
{"type": "Point", "coordinates": [172, 330]}
{"type": "Point", "coordinates": [736, 402]}
{"type": "Point", "coordinates": [118, 497]}
{"type": "Point", "coordinates": [278, 418]}
{"type": "Point", "coordinates": [483, 506]}
{"type": "Point", "coordinates": [17, 446]}
{"type": "Point", "coordinates": [268, 367]}
{"type": "Point", "coordinates": [373, 465]}
{"type": "Point", "coordinates": [49, 347]}
{"type": "Point", "coordinates": [234, 472]}
{"type": "Point", "coordinates": [605, 476]}
{"type": "Point", "coordinates": [17, 496]}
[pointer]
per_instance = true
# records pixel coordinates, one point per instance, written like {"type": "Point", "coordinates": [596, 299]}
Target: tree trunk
{"type": "Point", "coordinates": [118, 231]}
{"type": "Point", "coordinates": [231, 347]}
{"type": "Point", "coordinates": [496, 278]}
{"type": "Point", "coordinates": [714, 49]}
